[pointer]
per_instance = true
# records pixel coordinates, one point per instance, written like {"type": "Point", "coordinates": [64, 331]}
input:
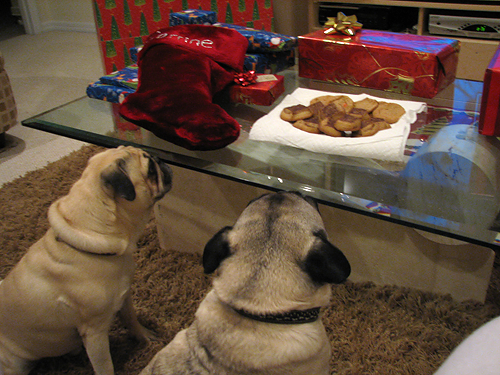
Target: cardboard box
{"type": "Point", "coordinates": [404, 63]}
{"type": "Point", "coordinates": [489, 117]}
{"type": "Point", "coordinates": [264, 92]}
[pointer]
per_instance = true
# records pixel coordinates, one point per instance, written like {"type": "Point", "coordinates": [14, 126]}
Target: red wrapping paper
{"type": "Point", "coordinates": [122, 24]}
{"type": "Point", "coordinates": [404, 63]}
{"type": "Point", "coordinates": [489, 117]}
{"type": "Point", "coordinates": [261, 93]}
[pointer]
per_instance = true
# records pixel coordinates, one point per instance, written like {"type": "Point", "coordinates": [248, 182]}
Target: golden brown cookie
{"type": "Point", "coordinates": [310, 125]}
{"type": "Point", "coordinates": [316, 109]}
{"type": "Point", "coordinates": [331, 111]}
{"type": "Point", "coordinates": [360, 113]}
{"type": "Point", "coordinates": [390, 112]}
{"type": "Point", "coordinates": [368, 104]}
{"type": "Point", "coordinates": [345, 102]}
{"type": "Point", "coordinates": [372, 126]}
{"type": "Point", "coordinates": [295, 113]}
{"type": "Point", "coordinates": [325, 99]}
{"type": "Point", "coordinates": [327, 126]}
{"type": "Point", "coordinates": [348, 123]}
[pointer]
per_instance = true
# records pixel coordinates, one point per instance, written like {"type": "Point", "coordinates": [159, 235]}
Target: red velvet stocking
{"type": "Point", "coordinates": [180, 69]}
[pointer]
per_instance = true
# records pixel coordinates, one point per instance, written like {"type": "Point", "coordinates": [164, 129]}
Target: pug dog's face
{"type": "Point", "coordinates": [276, 254]}
{"type": "Point", "coordinates": [131, 176]}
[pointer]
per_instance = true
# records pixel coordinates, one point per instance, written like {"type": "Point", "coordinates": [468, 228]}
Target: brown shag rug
{"type": "Point", "coordinates": [373, 329]}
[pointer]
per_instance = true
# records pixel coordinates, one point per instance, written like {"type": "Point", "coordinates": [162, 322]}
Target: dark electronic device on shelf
{"type": "Point", "coordinates": [375, 17]}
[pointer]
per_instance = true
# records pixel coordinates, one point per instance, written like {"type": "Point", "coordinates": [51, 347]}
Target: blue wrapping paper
{"type": "Point", "coordinates": [109, 93]}
{"type": "Point", "coordinates": [263, 41]}
{"type": "Point", "coordinates": [193, 16]}
{"type": "Point", "coordinates": [269, 62]}
{"type": "Point", "coordinates": [265, 62]}
{"type": "Point", "coordinates": [127, 77]}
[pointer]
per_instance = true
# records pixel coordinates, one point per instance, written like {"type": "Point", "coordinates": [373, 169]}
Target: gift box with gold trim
{"type": "Point", "coordinates": [404, 63]}
{"type": "Point", "coordinates": [265, 91]}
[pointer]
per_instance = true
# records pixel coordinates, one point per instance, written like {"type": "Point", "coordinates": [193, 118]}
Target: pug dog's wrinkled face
{"type": "Point", "coordinates": [131, 174]}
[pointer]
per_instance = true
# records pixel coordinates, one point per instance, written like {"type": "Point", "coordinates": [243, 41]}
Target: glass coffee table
{"type": "Point", "coordinates": [447, 184]}
{"type": "Point", "coordinates": [430, 221]}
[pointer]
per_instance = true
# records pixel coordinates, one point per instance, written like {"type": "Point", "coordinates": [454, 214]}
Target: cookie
{"type": "Point", "coordinates": [390, 112]}
{"type": "Point", "coordinates": [316, 109]}
{"type": "Point", "coordinates": [325, 99]}
{"type": "Point", "coordinates": [331, 111]}
{"type": "Point", "coordinates": [310, 125]}
{"type": "Point", "coordinates": [360, 113]}
{"type": "Point", "coordinates": [372, 126]}
{"type": "Point", "coordinates": [327, 126]}
{"type": "Point", "coordinates": [345, 102]}
{"type": "Point", "coordinates": [295, 113]}
{"type": "Point", "coordinates": [367, 104]}
{"type": "Point", "coordinates": [348, 123]}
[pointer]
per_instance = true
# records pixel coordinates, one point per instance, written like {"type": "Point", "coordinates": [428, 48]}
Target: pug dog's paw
{"type": "Point", "coordinates": [143, 334]}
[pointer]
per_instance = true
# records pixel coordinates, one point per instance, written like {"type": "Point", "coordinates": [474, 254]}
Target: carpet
{"type": "Point", "coordinates": [373, 329]}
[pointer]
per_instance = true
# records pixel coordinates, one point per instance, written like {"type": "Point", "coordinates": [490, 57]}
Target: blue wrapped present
{"type": "Point", "coordinates": [126, 77]}
{"type": "Point", "coordinates": [110, 93]}
{"type": "Point", "coordinates": [116, 86]}
{"type": "Point", "coordinates": [265, 62]}
{"type": "Point", "coordinates": [263, 41]}
{"type": "Point", "coordinates": [269, 62]}
{"type": "Point", "coordinates": [193, 16]}
{"type": "Point", "coordinates": [134, 51]}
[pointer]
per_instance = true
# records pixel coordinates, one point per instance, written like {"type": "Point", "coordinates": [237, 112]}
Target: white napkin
{"type": "Point", "coordinates": [385, 145]}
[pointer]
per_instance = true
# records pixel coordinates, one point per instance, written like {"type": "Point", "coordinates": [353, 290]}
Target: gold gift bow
{"type": "Point", "coordinates": [347, 25]}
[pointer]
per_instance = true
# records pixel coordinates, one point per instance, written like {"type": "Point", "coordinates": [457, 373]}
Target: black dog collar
{"type": "Point", "coordinates": [58, 239]}
{"type": "Point", "coordinates": [291, 317]}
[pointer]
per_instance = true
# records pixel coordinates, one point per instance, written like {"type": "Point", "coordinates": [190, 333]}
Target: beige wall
{"type": "Point", "coordinates": [74, 15]}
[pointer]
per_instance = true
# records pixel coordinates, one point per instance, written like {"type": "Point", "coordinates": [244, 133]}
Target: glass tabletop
{"type": "Point", "coordinates": [447, 183]}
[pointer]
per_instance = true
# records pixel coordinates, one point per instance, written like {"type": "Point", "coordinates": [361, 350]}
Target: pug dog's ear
{"type": "Point", "coordinates": [116, 178]}
{"type": "Point", "coordinates": [216, 250]}
{"type": "Point", "coordinates": [325, 263]}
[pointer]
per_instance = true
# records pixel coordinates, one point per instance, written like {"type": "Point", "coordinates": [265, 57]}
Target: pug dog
{"type": "Point", "coordinates": [68, 287]}
{"type": "Point", "coordinates": [273, 271]}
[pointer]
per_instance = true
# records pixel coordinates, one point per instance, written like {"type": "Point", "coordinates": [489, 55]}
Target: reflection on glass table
{"type": "Point", "coordinates": [447, 183]}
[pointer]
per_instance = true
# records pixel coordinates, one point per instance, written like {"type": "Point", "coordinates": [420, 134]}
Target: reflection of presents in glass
{"type": "Point", "coordinates": [125, 130]}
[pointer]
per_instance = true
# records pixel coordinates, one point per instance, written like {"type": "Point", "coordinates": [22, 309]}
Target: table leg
{"type": "Point", "coordinates": [379, 251]}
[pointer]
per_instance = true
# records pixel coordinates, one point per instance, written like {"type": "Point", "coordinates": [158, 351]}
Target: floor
{"type": "Point", "coordinates": [45, 70]}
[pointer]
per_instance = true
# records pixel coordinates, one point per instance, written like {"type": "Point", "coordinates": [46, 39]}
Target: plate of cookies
{"type": "Point", "coordinates": [341, 124]}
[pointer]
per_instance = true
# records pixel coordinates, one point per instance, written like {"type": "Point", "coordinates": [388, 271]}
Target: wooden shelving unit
{"type": "Point", "coordinates": [475, 54]}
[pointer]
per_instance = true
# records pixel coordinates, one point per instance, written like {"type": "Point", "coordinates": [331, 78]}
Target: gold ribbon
{"type": "Point", "coordinates": [347, 25]}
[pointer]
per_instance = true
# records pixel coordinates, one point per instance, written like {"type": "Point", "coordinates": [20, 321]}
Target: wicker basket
{"type": "Point", "coordinates": [8, 110]}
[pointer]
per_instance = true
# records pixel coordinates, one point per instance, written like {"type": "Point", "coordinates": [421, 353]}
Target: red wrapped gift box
{"type": "Point", "coordinates": [123, 24]}
{"type": "Point", "coordinates": [489, 117]}
{"type": "Point", "coordinates": [404, 63]}
{"type": "Point", "coordinates": [264, 92]}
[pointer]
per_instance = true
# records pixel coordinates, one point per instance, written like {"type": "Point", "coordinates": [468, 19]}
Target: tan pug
{"type": "Point", "coordinates": [273, 270]}
{"type": "Point", "coordinates": [67, 288]}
